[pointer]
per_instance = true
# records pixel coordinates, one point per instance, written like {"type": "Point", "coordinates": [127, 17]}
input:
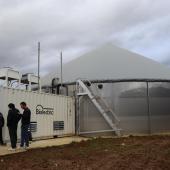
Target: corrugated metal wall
{"type": "Point", "coordinates": [159, 106]}
{"type": "Point", "coordinates": [63, 108]}
{"type": "Point", "coordinates": [141, 107]}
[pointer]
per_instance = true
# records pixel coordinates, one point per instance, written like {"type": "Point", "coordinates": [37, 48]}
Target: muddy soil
{"type": "Point", "coordinates": [131, 153]}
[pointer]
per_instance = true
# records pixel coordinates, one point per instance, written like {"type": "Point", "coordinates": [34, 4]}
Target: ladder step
{"type": "Point", "coordinates": [96, 97]}
{"type": "Point", "coordinates": [106, 111]}
{"type": "Point", "coordinates": [82, 94]}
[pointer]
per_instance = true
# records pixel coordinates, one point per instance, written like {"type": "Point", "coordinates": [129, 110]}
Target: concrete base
{"type": "Point", "coordinates": [44, 144]}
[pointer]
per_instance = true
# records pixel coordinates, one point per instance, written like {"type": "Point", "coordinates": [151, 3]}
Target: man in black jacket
{"type": "Point", "coordinates": [25, 124]}
{"type": "Point", "coordinates": [1, 126]}
{"type": "Point", "coordinates": [12, 123]}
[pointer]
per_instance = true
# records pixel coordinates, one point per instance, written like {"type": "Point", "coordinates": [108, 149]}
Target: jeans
{"type": "Point", "coordinates": [1, 139]}
{"type": "Point", "coordinates": [24, 136]}
{"type": "Point", "coordinates": [13, 136]}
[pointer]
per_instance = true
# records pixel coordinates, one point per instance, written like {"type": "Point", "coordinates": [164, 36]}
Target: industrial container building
{"type": "Point", "coordinates": [51, 114]}
{"type": "Point", "coordinates": [116, 91]}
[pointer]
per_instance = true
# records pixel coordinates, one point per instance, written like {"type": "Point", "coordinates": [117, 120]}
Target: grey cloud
{"type": "Point", "coordinates": [76, 26]}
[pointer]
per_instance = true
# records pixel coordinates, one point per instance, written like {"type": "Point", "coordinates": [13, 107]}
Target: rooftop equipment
{"type": "Point", "coordinates": [30, 79]}
{"type": "Point", "coordinates": [9, 75]}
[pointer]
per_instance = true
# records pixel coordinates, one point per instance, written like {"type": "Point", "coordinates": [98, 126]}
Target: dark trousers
{"type": "Point", "coordinates": [24, 136]}
{"type": "Point", "coordinates": [1, 139]}
{"type": "Point", "coordinates": [13, 136]}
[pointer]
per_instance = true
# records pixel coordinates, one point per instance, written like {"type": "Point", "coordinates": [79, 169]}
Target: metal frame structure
{"type": "Point", "coordinates": [103, 108]}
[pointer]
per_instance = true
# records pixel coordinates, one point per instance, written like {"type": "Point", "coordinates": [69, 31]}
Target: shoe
{"type": "Point", "coordinates": [26, 147]}
{"type": "Point", "coordinates": [12, 149]}
{"type": "Point", "coordinates": [22, 148]}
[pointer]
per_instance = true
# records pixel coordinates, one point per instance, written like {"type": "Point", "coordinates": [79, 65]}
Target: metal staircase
{"type": "Point", "coordinates": [85, 88]}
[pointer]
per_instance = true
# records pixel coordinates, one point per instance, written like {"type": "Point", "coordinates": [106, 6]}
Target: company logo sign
{"type": "Point", "coordinates": [42, 110]}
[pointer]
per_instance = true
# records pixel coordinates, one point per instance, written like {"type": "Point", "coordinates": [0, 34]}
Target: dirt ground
{"type": "Point", "coordinates": [131, 153]}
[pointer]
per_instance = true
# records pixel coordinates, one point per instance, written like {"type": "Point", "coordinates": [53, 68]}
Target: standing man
{"type": "Point", "coordinates": [1, 126]}
{"type": "Point", "coordinates": [12, 123]}
{"type": "Point", "coordinates": [25, 124]}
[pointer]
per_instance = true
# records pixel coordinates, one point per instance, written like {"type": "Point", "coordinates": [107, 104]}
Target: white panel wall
{"type": "Point", "coordinates": [63, 106]}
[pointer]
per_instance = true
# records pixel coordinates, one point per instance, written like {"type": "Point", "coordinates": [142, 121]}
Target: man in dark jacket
{"type": "Point", "coordinates": [1, 126]}
{"type": "Point", "coordinates": [12, 123]}
{"type": "Point", "coordinates": [25, 124]}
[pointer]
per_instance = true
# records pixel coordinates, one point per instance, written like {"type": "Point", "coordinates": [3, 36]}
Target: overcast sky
{"type": "Point", "coordinates": [76, 26]}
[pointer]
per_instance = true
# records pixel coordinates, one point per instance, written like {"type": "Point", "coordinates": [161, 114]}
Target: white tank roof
{"type": "Point", "coordinates": [111, 62]}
